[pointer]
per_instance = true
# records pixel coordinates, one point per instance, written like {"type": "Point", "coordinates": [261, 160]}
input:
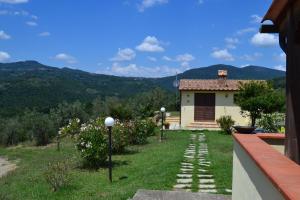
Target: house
{"type": "Point", "coordinates": [204, 101]}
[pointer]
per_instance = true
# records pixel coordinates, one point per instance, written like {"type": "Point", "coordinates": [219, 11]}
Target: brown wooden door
{"type": "Point", "coordinates": [205, 106]}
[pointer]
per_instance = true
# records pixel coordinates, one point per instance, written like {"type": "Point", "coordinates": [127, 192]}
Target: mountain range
{"type": "Point", "coordinates": [31, 84]}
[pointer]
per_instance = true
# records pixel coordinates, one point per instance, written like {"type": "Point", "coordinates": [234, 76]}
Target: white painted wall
{"type": "Point", "coordinates": [224, 106]}
{"type": "Point", "coordinates": [248, 181]}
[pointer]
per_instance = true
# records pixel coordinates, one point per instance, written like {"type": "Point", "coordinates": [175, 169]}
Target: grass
{"type": "Point", "coordinates": [151, 166]}
{"type": "Point", "coordinates": [220, 147]}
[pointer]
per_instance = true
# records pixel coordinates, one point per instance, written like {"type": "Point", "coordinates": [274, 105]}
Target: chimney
{"type": "Point", "coordinates": [222, 74]}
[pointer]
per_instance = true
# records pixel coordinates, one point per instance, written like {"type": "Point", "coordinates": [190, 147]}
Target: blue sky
{"type": "Point", "coordinates": [150, 38]}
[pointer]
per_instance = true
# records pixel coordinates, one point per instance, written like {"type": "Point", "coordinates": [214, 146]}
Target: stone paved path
{"type": "Point", "coordinates": [6, 167]}
{"type": "Point", "coordinates": [177, 195]}
{"type": "Point", "coordinates": [195, 169]}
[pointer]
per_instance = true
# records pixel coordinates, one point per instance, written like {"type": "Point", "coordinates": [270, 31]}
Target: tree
{"type": "Point", "coordinates": [258, 97]}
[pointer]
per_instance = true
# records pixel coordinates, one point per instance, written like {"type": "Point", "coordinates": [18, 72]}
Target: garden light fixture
{"type": "Point", "coordinates": [162, 110]}
{"type": "Point", "coordinates": [109, 123]}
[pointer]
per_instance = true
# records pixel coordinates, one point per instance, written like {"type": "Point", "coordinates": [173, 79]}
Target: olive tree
{"type": "Point", "coordinates": [258, 97]}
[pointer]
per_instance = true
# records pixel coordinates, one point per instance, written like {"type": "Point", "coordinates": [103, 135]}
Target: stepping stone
{"type": "Point", "coordinates": [204, 165]}
{"type": "Point", "coordinates": [187, 167]}
{"type": "Point", "coordinates": [202, 186]}
{"type": "Point", "coordinates": [184, 180]}
{"type": "Point", "coordinates": [184, 175]}
{"type": "Point", "coordinates": [202, 170]}
{"type": "Point", "coordinates": [208, 190]}
{"type": "Point", "coordinates": [228, 190]}
{"type": "Point", "coordinates": [182, 186]}
{"type": "Point", "coordinates": [189, 164]}
{"type": "Point", "coordinates": [190, 157]}
{"type": "Point", "coordinates": [205, 162]}
{"type": "Point", "coordinates": [205, 176]}
{"type": "Point", "coordinates": [186, 170]}
{"type": "Point", "coordinates": [206, 181]}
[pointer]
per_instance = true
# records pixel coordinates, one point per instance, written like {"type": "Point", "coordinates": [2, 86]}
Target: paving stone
{"type": "Point", "coordinates": [206, 186]}
{"type": "Point", "coordinates": [184, 180]}
{"type": "Point", "coordinates": [184, 175]}
{"type": "Point", "coordinates": [205, 176]}
{"type": "Point", "coordinates": [205, 162]}
{"type": "Point", "coordinates": [187, 167]}
{"type": "Point", "coordinates": [182, 186]}
{"type": "Point", "coordinates": [185, 163]}
{"type": "Point", "coordinates": [206, 181]}
{"type": "Point", "coordinates": [208, 190]}
{"type": "Point", "coordinates": [228, 190]}
{"type": "Point", "coordinates": [186, 170]}
{"type": "Point", "coordinates": [204, 165]}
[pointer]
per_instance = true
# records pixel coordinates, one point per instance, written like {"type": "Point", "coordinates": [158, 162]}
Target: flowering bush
{"type": "Point", "coordinates": [72, 128]}
{"type": "Point", "coordinates": [120, 133]}
{"type": "Point", "coordinates": [92, 144]}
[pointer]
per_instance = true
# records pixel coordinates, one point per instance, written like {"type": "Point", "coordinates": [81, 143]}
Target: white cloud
{"type": "Point", "coordinates": [280, 67]}
{"type": "Point", "coordinates": [256, 19]}
{"type": "Point", "coordinates": [264, 40]}
{"type": "Point", "coordinates": [66, 58]}
{"type": "Point", "coordinates": [185, 57]}
{"type": "Point", "coordinates": [185, 60]}
{"type": "Point", "coordinates": [231, 42]}
{"type": "Point", "coordinates": [124, 55]}
{"type": "Point", "coordinates": [222, 54]}
{"type": "Point", "coordinates": [246, 30]}
{"type": "Point", "coordinates": [134, 70]}
{"type": "Point", "coordinates": [153, 59]}
{"type": "Point", "coordinates": [150, 3]}
{"type": "Point", "coordinates": [44, 34]}
{"type": "Point", "coordinates": [4, 36]}
{"type": "Point", "coordinates": [31, 23]}
{"type": "Point", "coordinates": [4, 56]}
{"type": "Point", "coordinates": [166, 58]}
{"type": "Point", "coordinates": [150, 44]}
{"type": "Point", "coordinates": [13, 1]}
{"type": "Point", "coordinates": [252, 57]}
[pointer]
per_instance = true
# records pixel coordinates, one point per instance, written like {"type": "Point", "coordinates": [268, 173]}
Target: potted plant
{"type": "Point", "coordinates": [167, 125]}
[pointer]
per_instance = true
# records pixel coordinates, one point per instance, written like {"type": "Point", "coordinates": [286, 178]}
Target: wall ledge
{"type": "Point", "coordinates": [280, 170]}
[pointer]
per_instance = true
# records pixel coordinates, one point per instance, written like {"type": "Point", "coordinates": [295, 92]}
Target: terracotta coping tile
{"type": "Point", "coordinates": [282, 172]}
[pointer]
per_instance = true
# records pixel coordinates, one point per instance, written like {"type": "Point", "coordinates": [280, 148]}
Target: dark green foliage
{"type": "Point", "coordinates": [12, 132]}
{"type": "Point", "coordinates": [33, 85]}
{"type": "Point", "coordinates": [226, 122]}
{"type": "Point", "coordinates": [43, 129]}
{"type": "Point", "coordinates": [258, 97]}
{"type": "Point", "coordinates": [271, 122]}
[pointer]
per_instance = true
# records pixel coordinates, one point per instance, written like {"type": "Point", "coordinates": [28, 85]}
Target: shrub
{"type": "Point", "coordinates": [57, 175]}
{"type": "Point", "coordinates": [92, 144]}
{"type": "Point", "coordinates": [150, 127]}
{"type": "Point", "coordinates": [120, 133]}
{"type": "Point", "coordinates": [225, 122]}
{"type": "Point", "coordinates": [43, 130]}
{"type": "Point", "coordinates": [271, 122]}
{"type": "Point", "coordinates": [72, 129]}
{"type": "Point", "coordinates": [139, 133]}
{"type": "Point", "coordinates": [11, 133]}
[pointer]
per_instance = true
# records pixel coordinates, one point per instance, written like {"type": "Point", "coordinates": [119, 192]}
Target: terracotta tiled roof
{"type": "Point", "coordinates": [210, 84]}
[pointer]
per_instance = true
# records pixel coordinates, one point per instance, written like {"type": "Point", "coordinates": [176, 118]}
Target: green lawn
{"type": "Point", "coordinates": [220, 147]}
{"type": "Point", "coordinates": [152, 166]}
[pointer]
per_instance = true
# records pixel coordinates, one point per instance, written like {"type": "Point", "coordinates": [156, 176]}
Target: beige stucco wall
{"type": "Point", "coordinates": [248, 181]}
{"type": "Point", "coordinates": [224, 106]}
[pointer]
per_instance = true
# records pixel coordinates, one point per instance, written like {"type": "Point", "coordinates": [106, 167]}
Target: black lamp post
{"type": "Point", "coordinates": [109, 123]}
{"type": "Point", "coordinates": [162, 110]}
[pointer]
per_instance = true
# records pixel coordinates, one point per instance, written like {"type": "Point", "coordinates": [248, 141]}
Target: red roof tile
{"type": "Point", "coordinates": [210, 84]}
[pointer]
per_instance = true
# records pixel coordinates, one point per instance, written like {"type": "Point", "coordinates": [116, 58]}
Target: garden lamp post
{"type": "Point", "coordinates": [162, 110]}
{"type": "Point", "coordinates": [109, 123]}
